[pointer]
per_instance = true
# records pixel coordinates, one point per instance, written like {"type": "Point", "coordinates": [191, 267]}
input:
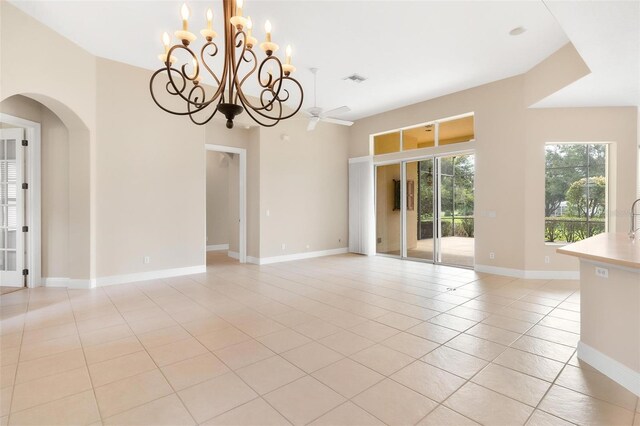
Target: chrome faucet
{"type": "Point", "coordinates": [633, 229]}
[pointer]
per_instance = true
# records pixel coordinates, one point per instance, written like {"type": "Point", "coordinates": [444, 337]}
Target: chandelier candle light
{"type": "Point", "coordinates": [240, 62]}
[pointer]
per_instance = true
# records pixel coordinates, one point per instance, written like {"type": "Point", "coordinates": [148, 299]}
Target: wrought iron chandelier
{"type": "Point", "coordinates": [200, 103]}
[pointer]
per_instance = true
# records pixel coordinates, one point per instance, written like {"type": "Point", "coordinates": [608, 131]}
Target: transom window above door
{"type": "Point", "coordinates": [437, 133]}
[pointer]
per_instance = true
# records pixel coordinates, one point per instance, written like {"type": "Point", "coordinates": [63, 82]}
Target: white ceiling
{"type": "Point", "coordinates": [409, 51]}
{"type": "Point", "coordinates": [607, 36]}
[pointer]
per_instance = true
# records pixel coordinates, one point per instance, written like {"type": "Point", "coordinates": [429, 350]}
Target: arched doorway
{"type": "Point", "coordinates": [56, 195]}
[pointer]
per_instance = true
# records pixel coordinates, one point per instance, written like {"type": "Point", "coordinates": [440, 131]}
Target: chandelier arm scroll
{"type": "Point", "coordinates": [257, 119]}
{"type": "Point", "coordinates": [184, 85]}
{"type": "Point", "coordinates": [220, 89]}
{"type": "Point", "coordinates": [182, 71]}
{"type": "Point", "coordinates": [193, 113]}
{"type": "Point", "coordinates": [167, 86]}
{"type": "Point", "coordinates": [204, 62]}
{"type": "Point", "coordinates": [253, 59]}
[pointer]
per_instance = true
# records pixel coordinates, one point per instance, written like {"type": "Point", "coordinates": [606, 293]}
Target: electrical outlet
{"type": "Point", "coordinates": [492, 255]}
{"type": "Point", "coordinates": [146, 260]}
{"type": "Point", "coordinates": [284, 246]}
{"type": "Point", "coordinates": [379, 240]}
{"type": "Point", "coordinates": [547, 259]}
{"type": "Point", "coordinates": [602, 272]}
{"type": "Point", "coordinates": [308, 246]}
{"type": "Point", "coordinates": [268, 213]}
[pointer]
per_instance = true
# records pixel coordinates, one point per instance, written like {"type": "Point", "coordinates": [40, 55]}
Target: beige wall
{"type": "Point", "coordinates": [614, 125]}
{"type": "Point", "coordinates": [248, 139]}
{"type": "Point", "coordinates": [54, 180]}
{"type": "Point", "coordinates": [510, 158]}
{"type": "Point", "coordinates": [137, 174]}
{"type": "Point", "coordinates": [557, 71]}
{"type": "Point", "coordinates": [218, 204]}
{"type": "Point", "coordinates": [499, 120]}
{"type": "Point", "coordinates": [223, 199]}
{"type": "Point", "coordinates": [233, 192]}
{"type": "Point", "coordinates": [303, 185]}
{"type": "Point", "coordinates": [150, 178]}
{"type": "Point", "coordinates": [29, 67]}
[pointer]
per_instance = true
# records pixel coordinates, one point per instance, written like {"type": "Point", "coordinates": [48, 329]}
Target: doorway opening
{"type": "Point", "coordinates": [19, 203]}
{"type": "Point", "coordinates": [226, 172]}
{"type": "Point", "coordinates": [425, 209]}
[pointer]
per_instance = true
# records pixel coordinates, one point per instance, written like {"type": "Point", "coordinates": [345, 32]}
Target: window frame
{"type": "Point", "coordinates": [608, 150]}
{"type": "Point", "coordinates": [436, 124]}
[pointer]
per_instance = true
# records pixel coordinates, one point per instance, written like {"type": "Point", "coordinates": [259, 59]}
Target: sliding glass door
{"type": "Point", "coordinates": [419, 216]}
{"type": "Point", "coordinates": [456, 203]}
{"type": "Point", "coordinates": [388, 210]}
{"type": "Point", "coordinates": [424, 209]}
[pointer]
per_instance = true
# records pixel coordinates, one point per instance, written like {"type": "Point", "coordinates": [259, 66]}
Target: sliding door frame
{"type": "Point", "coordinates": [375, 207]}
{"type": "Point", "coordinates": [437, 225]}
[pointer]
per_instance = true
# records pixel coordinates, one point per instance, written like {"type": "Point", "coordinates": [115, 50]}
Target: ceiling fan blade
{"type": "Point", "coordinates": [312, 124]}
{"type": "Point", "coordinates": [337, 111]}
{"type": "Point", "coordinates": [337, 121]}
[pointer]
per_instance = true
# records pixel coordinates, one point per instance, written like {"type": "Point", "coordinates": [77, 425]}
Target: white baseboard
{"type": "Point", "coordinates": [233, 254]}
{"type": "Point", "coordinates": [296, 256]}
{"type": "Point", "coordinates": [150, 275]}
{"type": "Point", "coordinates": [123, 279]}
{"type": "Point", "coordinates": [216, 247]}
{"type": "Point", "coordinates": [71, 283]}
{"type": "Point", "coordinates": [552, 275]}
{"type": "Point", "coordinates": [528, 274]}
{"type": "Point", "coordinates": [611, 368]}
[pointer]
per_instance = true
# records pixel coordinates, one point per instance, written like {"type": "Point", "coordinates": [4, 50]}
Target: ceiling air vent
{"type": "Point", "coordinates": [356, 78]}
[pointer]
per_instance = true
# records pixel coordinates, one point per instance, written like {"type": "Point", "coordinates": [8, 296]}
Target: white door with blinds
{"type": "Point", "coordinates": [11, 208]}
{"type": "Point", "coordinates": [361, 206]}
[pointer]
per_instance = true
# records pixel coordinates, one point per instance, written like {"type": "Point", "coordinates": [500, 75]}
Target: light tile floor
{"type": "Point", "coordinates": [343, 340]}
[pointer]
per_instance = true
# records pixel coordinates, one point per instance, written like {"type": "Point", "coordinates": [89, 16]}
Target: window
{"type": "Point", "coordinates": [436, 133]}
{"type": "Point", "coordinates": [455, 131]}
{"type": "Point", "coordinates": [387, 143]}
{"type": "Point", "coordinates": [419, 137]}
{"type": "Point", "coordinates": [575, 191]}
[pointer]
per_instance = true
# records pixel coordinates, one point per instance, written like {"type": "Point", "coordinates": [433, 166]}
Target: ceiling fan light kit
{"type": "Point", "coordinates": [201, 104]}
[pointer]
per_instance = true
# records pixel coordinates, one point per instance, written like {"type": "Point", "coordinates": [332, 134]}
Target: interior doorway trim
{"type": "Point", "coordinates": [242, 238]}
{"type": "Point", "coordinates": [32, 174]}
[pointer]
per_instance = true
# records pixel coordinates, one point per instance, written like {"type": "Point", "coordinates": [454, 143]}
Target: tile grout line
{"type": "Point", "coordinates": [84, 356]}
{"type": "Point", "coordinates": [490, 314]}
{"type": "Point", "coordinates": [49, 375]}
{"type": "Point", "coordinates": [259, 396]}
{"type": "Point", "coordinates": [482, 369]}
{"type": "Point", "coordinates": [442, 344]}
{"type": "Point", "coordinates": [152, 360]}
{"type": "Point", "coordinates": [15, 374]}
{"type": "Point", "coordinates": [268, 295]}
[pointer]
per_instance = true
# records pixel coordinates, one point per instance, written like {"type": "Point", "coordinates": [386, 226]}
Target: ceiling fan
{"type": "Point", "coordinates": [316, 113]}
